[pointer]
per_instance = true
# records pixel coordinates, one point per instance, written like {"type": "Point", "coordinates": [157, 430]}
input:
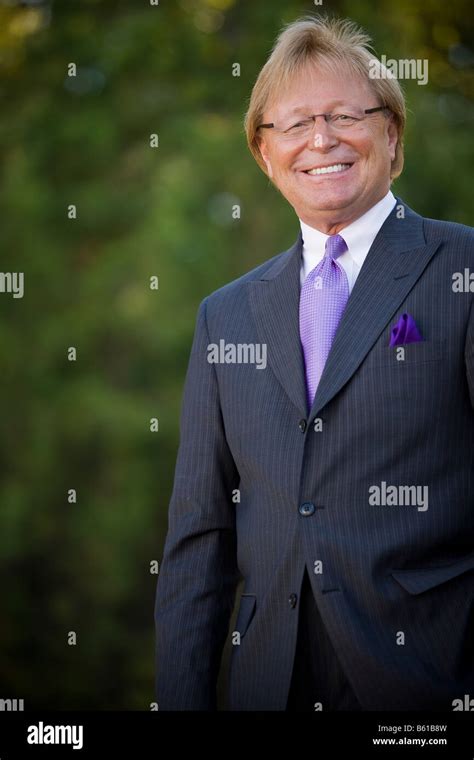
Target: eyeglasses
{"type": "Point", "coordinates": [339, 121]}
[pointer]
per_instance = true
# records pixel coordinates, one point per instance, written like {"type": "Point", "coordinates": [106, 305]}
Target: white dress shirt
{"type": "Point", "coordinates": [359, 236]}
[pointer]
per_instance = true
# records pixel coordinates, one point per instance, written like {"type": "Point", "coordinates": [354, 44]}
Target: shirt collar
{"type": "Point", "coordinates": [359, 235]}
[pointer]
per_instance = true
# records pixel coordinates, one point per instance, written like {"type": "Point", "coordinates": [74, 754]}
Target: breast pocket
{"type": "Point", "coordinates": [408, 354]}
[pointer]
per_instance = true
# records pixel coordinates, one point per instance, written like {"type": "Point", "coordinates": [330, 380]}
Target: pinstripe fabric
{"type": "Point", "coordinates": [318, 680]}
{"type": "Point", "coordinates": [396, 590]}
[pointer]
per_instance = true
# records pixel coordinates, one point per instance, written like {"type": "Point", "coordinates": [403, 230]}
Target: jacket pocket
{"type": "Point", "coordinates": [415, 353]}
{"type": "Point", "coordinates": [418, 581]}
{"type": "Point", "coordinates": [246, 613]}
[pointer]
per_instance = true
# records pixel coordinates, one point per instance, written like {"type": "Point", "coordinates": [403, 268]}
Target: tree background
{"type": "Point", "coordinates": [144, 212]}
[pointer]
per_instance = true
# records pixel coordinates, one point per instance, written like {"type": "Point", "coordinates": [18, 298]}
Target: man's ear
{"type": "Point", "coordinates": [264, 153]}
{"type": "Point", "coordinates": [392, 133]}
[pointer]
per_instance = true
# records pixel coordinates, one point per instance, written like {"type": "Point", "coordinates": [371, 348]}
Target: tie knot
{"type": "Point", "coordinates": [335, 246]}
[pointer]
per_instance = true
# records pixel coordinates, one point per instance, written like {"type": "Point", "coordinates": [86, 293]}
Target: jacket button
{"type": "Point", "coordinates": [292, 599]}
{"type": "Point", "coordinates": [306, 509]}
{"type": "Point", "coordinates": [302, 425]}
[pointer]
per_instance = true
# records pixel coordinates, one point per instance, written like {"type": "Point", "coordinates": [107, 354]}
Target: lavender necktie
{"type": "Point", "coordinates": [322, 301]}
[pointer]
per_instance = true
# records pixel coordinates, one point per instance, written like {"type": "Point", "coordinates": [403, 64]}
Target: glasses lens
{"type": "Point", "coordinates": [300, 129]}
{"type": "Point", "coordinates": [344, 120]}
{"type": "Point", "coordinates": [338, 120]}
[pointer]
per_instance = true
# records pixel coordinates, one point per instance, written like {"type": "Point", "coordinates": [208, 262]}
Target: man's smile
{"type": "Point", "coordinates": [321, 170]}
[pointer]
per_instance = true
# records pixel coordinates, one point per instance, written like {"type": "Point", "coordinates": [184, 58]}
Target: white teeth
{"type": "Point", "coordinates": [329, 169]}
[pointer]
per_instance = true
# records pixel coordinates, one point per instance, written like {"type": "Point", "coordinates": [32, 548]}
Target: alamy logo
{"type": "Point", "coordinates": [404, 68]}
{"type": "Point", "coordinates": [237, 353]}
{"type": "Point", "coordinates": [11, 705]}
{"type": "Point", "coordinates": [399, 496]}
{"type": "Point", "coordinates": [463, 282]}
{"type": "Point", "coordinates": [12, 282]}
{"type": "Point", "coordinates": [466, 704]}
{"type": "Point", "coordinates": [42, 734]}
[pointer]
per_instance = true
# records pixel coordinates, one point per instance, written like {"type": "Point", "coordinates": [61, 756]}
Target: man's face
{"type": "Point", "coordinates": [332, 200]}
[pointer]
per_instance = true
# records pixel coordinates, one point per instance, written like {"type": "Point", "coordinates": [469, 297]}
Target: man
{"type": "Point", "coordinates": [336, 477]}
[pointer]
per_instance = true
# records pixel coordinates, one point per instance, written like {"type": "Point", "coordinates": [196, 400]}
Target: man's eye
{"type": "Point", "coordinates": [343, 117]}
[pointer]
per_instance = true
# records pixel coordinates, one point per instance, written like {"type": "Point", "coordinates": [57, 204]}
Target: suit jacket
{"type": "Point", "coordinates": [394, 584]}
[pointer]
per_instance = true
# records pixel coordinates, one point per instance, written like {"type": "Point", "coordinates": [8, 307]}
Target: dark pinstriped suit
{"type": "Point", "coordinates": [389, 573]}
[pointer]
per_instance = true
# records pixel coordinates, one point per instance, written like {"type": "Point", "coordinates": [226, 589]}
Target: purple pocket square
{"type": "Point", "coordinates": [405, 331]}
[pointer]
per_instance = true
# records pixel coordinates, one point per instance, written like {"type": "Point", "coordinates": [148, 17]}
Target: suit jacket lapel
{"type": "Point", "coordinates": [274, 301]}
{"type": "Point", "coordinates": [395, 261]}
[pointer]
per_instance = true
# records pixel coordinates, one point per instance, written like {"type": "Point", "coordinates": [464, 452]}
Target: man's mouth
{"type": "Point", "coordinates": [332, 169]}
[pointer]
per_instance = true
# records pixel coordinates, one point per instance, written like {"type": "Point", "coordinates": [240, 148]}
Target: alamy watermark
{"type": "Point", "coordinates": [399, 496]}
{"type": "Point", "coordinates": [12, 282]}
{"type": "Point", "coordinates": [463, 282]}
{"type": "Point", "coordinates": [12, 705]}
{"type": "Point", "coordinates": [465, 704]}
{"type": "Point", "coordinates": [237, 353]}
{"type": "Point", "coordinates": [404, 68]}
{"type": "Point", "coordinates": [47, 734]}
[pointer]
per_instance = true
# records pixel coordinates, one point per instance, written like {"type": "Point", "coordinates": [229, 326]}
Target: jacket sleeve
{"type": "Point", "coordinates": [198, 576]}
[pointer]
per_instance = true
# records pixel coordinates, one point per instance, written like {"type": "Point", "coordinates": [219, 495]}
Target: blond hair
{"type": "Point", "coordinates": [323, 40]}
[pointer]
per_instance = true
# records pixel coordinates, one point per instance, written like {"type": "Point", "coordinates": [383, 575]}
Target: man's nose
{"type": "Point", "coordinates": [322, 135]}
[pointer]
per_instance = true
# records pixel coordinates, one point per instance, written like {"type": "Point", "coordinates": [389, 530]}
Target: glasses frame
{"type": "Point", "coordinates": [366, 112]}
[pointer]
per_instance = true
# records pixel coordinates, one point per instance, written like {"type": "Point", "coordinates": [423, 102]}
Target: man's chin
{"type": "Point", "coordinates": [332, 202]}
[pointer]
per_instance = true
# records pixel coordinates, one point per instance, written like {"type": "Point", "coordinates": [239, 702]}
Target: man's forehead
{"type": "Point", "coordinates": [311, 89]}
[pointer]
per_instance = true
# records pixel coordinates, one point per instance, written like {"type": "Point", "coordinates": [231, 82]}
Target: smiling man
{"type": "Point", "coordinates": [337, 482]}
{"type": "Point", "coordinates": [335, 166]}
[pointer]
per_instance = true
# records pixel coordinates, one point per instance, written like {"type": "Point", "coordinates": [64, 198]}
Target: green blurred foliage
{"type": "Point", "coordinates": [142, 212]}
